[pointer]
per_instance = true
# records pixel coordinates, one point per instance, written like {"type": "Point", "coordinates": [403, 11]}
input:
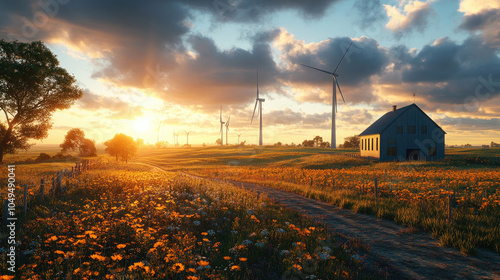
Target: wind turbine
{"type": "Point", "coordinates": [221, 128]}
{"type": "Point", "coordinates": [227, 128]}
{"type": "Point", "coordinates": [258, 100]}
{"type": "Point", "coordinates": [187, 137]}
{"type": "Point", "coordinates": [238, 138]}
{"type": "Point", "coordinates": [334, 102]}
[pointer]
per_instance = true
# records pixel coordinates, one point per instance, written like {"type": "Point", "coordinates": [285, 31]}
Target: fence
{"type": "Point", "coordinates": [56, 184]}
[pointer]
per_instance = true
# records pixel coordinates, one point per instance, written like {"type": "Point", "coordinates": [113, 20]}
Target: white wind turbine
{"type": "Point", "coordinates": [227, 128]}
{"type": "Point", "coordinates": [221, 128]}
{"type": "Point", "coordinates": [187, 137]}
{"type": "Point", "coordinates": [258, 100]}
{"type": "Point", "coordinates": [158, 133]}
{"type": "Point", "coordinates": [238, 138]}
{"type": "Point", "coordinates": [334, 102]}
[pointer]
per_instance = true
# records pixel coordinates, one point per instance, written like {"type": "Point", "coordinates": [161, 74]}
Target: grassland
{"type": "Point", "coordinates": [412, 194]}
{"type": "Point", "coordinates": [128, 222]}
{"type": "Point", "coordinates": [113, 221]}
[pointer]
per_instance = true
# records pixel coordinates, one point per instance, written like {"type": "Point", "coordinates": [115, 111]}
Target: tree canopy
{"type": "Point", "coordinates": [32, 87]}
{"type": "Point", "coordinates": [351, 142]}
{"type": "Point", "coordinates": [121, 146]}
{"type": "Point", "coordinates": [75, 140]}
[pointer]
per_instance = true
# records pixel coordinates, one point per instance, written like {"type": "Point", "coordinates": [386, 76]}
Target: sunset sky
{"type": "Point", "coordinates": [178, 61]}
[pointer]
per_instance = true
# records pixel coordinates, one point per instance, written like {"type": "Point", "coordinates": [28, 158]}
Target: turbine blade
{"type": "Point", "coordinates": [340, 62]}
{"type": "Point", "coordinates": [254, 110]}
{"type": "Point", "coordinates": [228, 119]}
{"type": "Point", "coordinates": [321, 70]}
{"type": "Point", "coordinates": [336, 81]}
{"type": "Point", "coordinates": [221, 113]}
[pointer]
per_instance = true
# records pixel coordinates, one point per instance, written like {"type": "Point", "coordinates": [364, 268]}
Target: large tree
{"type": "Point", "coordinates": [121, 146]}
{"type": "Point", "coordinates": [32, 87]}
{"type": "Point", "coordinates": [75, 140]}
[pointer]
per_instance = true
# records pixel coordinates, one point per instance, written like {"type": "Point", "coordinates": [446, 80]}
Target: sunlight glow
{"type": "Point", "coordinates": [142, 125]}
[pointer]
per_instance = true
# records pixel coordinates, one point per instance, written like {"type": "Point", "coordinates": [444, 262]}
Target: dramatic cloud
{"type": "Point", "coordinates": [254, 10]}
{"type": "Point", "coordinates": [486, 21]}
{"type": "Point", "coordinates": [116, 108]}
{"type": "Point", "coordinates": [465, 75]}
{"type": "Point", "coordinates": [364, 60]}
{"type": "Point", "coordinates": [409, 16]}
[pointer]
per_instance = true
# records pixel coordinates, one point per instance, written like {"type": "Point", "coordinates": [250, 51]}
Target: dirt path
{"type": "Point", "coordinates": [410, 255]}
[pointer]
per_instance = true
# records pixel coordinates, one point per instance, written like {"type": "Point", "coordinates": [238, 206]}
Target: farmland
{"type": "Point", "coordinates": [131, 219]}
{"type": "Point", "coordinates": [412, 194]}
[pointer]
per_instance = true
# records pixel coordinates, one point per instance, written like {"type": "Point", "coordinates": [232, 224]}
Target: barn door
{"type": "Point", "coordinates": [412, 154]}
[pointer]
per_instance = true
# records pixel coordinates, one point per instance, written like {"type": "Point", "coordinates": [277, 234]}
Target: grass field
{"type": "Point", "coordinates": [412, 194]}
{"type": "Point", "coordinates": [128, 220]}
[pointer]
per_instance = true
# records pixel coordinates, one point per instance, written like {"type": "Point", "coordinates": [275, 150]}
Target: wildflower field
{"type": "Point", "coordinates": [126, 221]}
{"type": "Point", "coordinates": [413, 194]}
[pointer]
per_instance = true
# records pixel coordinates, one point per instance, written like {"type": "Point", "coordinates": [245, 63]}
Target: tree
{"type": "Point", "coordinates": [278, 144]}
{"type": "Point", "coordinates": [32, 87]}
{"type": "Point", "coordinates": [351, 142]}
{"type": "Point", "coordinates": [88, 149]}
{"type": "Point", "coordinates": [75, 140]}
{"type": "Point", "coordinates": [494, 145]}
{"type": "Point", "coordinates": [317, 141]}
{"type": "Point", "coordinates": [308, 143]}
{"type": "Point", "coordinates": [218, 142]}
{"type": "Point", "coordinates": [121, 146]}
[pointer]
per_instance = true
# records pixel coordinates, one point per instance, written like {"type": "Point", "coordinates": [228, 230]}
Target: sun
{"type": "Point", "coordinates": [142, 125]}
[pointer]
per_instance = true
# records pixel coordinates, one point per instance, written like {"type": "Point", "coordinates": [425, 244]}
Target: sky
{"type": "Point", "coordinates": [151, 69]}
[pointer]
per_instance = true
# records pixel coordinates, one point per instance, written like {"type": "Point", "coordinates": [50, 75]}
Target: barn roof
{"type": "Point", "coordinates": [386, 120]}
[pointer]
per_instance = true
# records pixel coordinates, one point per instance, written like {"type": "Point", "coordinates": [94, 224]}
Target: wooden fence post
{"type": "Point", "coordinates": [333, 183]}
{"type": "Point", "coordinates": [311, 184]}
{"type": "Point", "coordinates": [42, 189]}
{"type": "Point", "coordinates": [376, 190]}
{"type": "Point", "coordinates": [25, 201]}
{"type": "Point", "coordinates": [53, 186]}
{"type": "Point", "coordinates": [449, 207]}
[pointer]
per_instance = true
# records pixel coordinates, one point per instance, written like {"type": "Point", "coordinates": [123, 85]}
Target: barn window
{"type": "Point", "coordinates": [400, 129]}
{"type": "Point", "coordinates": [392, 151]}
{"type": "Point", "coordinates": [376, 144]}
{"type": "Point", "coordinates": [372, 145]}
{"type": "Point", "coordinates": [391, 142]}
{"type": "Point", "coordinates": [423, 129]}
{"type": "Point", "coordinates": [432, 151]}
{"type": "Point", "coordinates": [412, 129]}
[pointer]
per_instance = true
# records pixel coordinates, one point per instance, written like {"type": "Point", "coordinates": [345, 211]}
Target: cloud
{"type": "Point", "coordinates": [448, 75]}
{"type": "Point", "coordinates": [370, 12]}
{"type": "Point", "coordinates": [472, 7]}
{"type": "Point", "coordinates": [255, 10]}
{"type": "Point", "coordinates": [468, 124]}
{"type": "Point", "coordinates": [409, 16]}
{"type": "Point", "coordinates": [486, 21]}
{"type": "Point", "coordinates": [115, 108]}
{"type": "Point", "coordinates": [364, 60]}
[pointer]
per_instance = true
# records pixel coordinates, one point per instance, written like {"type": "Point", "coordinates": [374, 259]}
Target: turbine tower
{"type": "Point", "coordinates": [187, 137]}
{"type": "Point", "coordinates": [221, 128]}
{"type": "Point", "coordinates": [334, 102]}
{"type": "Point", "coordinates": [238, 138]}
{"type": "Point", "coordinates": [258, 100]}
{"type": "Point", "coordinates": [227, 128]}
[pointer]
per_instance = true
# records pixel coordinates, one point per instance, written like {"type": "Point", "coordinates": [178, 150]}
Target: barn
{"type": "Point", "coordinates": [403, 134]}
